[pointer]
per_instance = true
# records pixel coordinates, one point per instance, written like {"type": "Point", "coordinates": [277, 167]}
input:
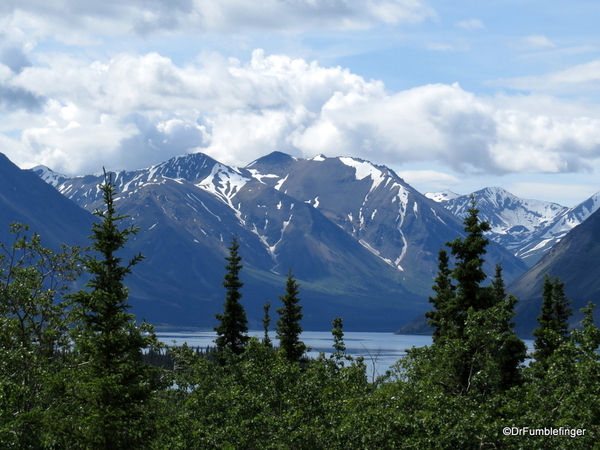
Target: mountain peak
{"type": "Point", "coordinates": [526, 227]}
{"type": "Point", "coordinates": [48, 175]}
{"type": "Point", "coordinates": [273, 158]}
{"type": "Point", "coordinates": [191, 166]}
{"type": "Point", "coordinates": [442, 196]}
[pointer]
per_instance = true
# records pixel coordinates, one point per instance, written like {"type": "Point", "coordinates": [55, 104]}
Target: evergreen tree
{"type": "Point", "coordinates": [233, 325]}
{"type": "Point", "coordinates": [288, 324]}
{"type": "Point", "coordinates": [511, 351]}
{"type": "Point", "coordinates": [266, 323]}
{"type": "Point", "coordinates": [452, 301]}
{"type": "Point", "coordinates": [498, 286]}
{"type": "Point", "coordinates": [443, 317]}
{"type": "Point", "coordinates": [338, 338]}
{"type": "Point", "coordinates": [473, 333]}
{"type": "Point", "coordinates": [468, 271]}
{"type": "Point", "coordinates": [553, 322]}
{"type": "Point", "coordinates": [108, 390]}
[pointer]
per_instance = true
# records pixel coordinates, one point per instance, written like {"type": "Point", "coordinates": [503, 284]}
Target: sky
{"type": "Point", "coordinates": [456, 95]}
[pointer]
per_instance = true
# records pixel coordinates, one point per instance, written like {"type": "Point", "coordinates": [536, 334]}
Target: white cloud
{"type": "Point", "coordinates": [433, 179]}
{"type": "Point", "coordinates": [136, 110]}
{"type": "Point", "coordinates": [565, 194]}
{"type": "Point", "coordinates": [79, 22]}
{"type": "Point", "coordinates": [534, 42]}
{"type": "Point", "coordinates": [580, 78]}
{"type": "Point", "coordinates": [470, 24]}
{"type": "Point", "coordinates": [441, 47]}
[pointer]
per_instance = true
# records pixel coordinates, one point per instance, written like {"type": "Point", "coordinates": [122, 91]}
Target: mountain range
{"type": "Point", "coordinates": [362, 242]}
{"type": "Point", "coordinates": [574, 260]}
{"type": "Point", "coordinates": [528, 228]}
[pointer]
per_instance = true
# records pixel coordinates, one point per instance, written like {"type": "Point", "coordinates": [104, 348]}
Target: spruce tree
{"type": "Point", "coordinates": [443, 317]}
{"type": "Point", "coordinates": [473, 330]}
{"type": "Point", "coordinates": [338, 338]}
{"type": "Point", "coordinates": [553, 322]}
{"type": "Point", "coordinates": [498, 286]}
{"type": "Point", "coordinates": [510, 351]}
{"type": "Point", "coordinates": [108, 390]}
{"type": "Point", "coordinates": [266, 323]}
{"type": "Point", "coordinates": [459, 289]}
{"type": "Point", "coordinates": [233, 325]}
{"type": "Point", "coordinates": [468, 271]}
{"type": "Point", "coordinates": [288, 324]}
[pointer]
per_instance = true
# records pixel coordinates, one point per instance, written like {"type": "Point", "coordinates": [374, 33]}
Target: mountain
{"type": "Point", "coordinates": [575, 261]}
{"type": "Point", "coordinates": [377, 208]}
{"type": "Point", "coordinates": [188, 210]}
{"type": "Point", "coordinates": [528, 228]}
{"type": "Point", "coordinates": [362, 243]}
{"type": "Point", "coordinates": [26, 199]}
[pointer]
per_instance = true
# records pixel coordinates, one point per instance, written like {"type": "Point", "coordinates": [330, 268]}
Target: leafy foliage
{"type": "Point", "coordinates": [76, 374]}
{"type": "Point", "coordinates": [32, 328]}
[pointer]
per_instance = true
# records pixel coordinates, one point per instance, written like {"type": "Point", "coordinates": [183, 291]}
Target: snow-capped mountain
{"type": "Point", "coordinates": [362, 242]}
{"type": "Point", "coordinates": [442, 196]}
{"type": "Point", "coordinates": [373, 205]}
{"type": "Point", "coordinates": [528, 228]}
{"type": "Point", "coordinates": [574, 260]}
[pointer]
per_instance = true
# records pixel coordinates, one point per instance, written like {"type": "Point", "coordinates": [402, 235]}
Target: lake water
{"type": "Point", "coordinates": [380, 350]}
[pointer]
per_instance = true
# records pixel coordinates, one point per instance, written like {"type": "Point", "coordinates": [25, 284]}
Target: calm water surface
{"type": "Point", "coordinates": [380, 350]}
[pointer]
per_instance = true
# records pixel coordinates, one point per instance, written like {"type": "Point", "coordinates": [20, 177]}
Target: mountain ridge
{"type": "Point", "coordinates": [528, 228]}
{"type": "Point", "coordinates": [359, 239]}
{"type": "Point", "coordinates": [574, 260]}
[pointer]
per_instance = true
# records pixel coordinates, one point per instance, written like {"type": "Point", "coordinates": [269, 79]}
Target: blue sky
{"type": "Point", "coordinates": [452, 95]}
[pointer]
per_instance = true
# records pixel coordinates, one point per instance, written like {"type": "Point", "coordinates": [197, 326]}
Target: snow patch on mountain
{"type": "Point", "coordinates": [366, 245]}
{"type": "Point", "coordinates": [365, 169]}
{"type": "Point", "coordinates": [528, 228]}
{"type": "Point", "coordinates": [263, 239]}
{"type": "Point", "coordinates": [48, 175]}
{"type": "Point", "coordinates": [259, 176]}
{"type": "Point", "coordinates": [280, 182]}
{"type": "Point", "coordinates": [223, 182]}
{"type": "Point", "coordinates": [442, 196]}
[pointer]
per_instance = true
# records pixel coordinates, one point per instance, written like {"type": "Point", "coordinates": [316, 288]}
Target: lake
{"type": "Point", "coordinates": [380, 350]}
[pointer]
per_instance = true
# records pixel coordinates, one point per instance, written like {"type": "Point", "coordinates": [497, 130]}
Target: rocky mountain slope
{"type": "Point", "coordinates": [26, 199]}
{"type": "Point", "coordinates": [575, 261]}
{"type": "Point", "coordinates": [362, 243]}
{"type": "Point", "coordinates": [528, 228]}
